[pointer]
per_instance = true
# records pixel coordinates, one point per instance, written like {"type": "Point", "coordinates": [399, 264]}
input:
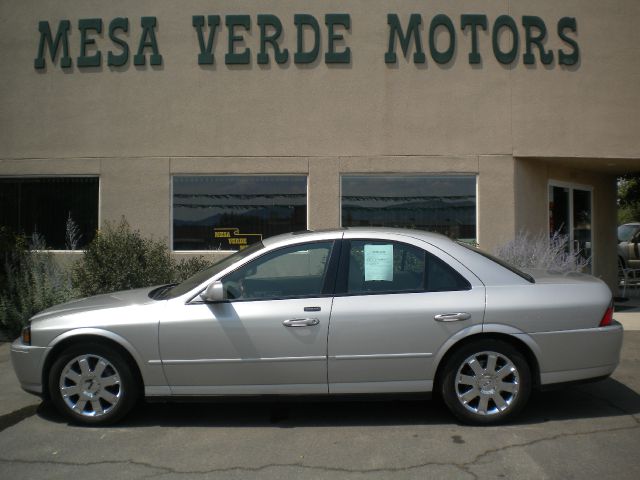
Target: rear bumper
{"type": "Point", "coordinates": [27, 363]}
{"type": "Point", "coordinates": [574, 355]}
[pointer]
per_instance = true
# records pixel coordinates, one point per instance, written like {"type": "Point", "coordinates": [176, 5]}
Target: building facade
{"type": "Point", "coordinates": [215, 123]}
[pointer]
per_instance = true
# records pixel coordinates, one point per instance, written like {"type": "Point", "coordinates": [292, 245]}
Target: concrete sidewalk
{"type": "Point", "coordinates": [627, 312]}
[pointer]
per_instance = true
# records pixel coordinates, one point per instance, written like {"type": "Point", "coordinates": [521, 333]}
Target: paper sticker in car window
{"type": "Point", "coordinates": [378, 262]}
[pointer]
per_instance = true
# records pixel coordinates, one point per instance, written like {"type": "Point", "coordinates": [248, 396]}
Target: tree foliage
{"type": "Point", "coordinates": [119, 258]}
{"type": "Point", "coordinates": [629, 198]}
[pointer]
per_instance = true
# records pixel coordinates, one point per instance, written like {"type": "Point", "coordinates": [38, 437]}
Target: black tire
{"type": "Point", "coordinates": [100, 385]}
{"type": "Point", "coordinates": [495, 392]}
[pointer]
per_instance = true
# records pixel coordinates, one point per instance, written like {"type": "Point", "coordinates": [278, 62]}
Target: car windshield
{"type": "Point", "coordinates": [500, 262]}
{"type": "Point", "coordinates": [625, 232]}
{"type": "Point", "coordinates": [192, 282]}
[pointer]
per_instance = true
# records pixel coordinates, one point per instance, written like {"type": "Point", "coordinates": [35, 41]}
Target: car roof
{"type": "Point", "coordinates": [431, 237]}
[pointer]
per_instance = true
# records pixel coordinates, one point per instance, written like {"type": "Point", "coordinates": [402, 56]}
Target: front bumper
{"type": "Point", "coordinates": [27, 362]}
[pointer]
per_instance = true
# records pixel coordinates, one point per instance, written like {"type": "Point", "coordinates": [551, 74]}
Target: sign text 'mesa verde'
{"type": "Point", "coordinates": [531, 34]}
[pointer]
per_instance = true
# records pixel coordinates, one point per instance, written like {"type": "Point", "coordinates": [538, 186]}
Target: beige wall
{"type": "Point", "coordinates": [365, 108]}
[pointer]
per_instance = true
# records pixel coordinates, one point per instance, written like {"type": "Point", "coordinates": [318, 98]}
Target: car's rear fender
{"type": "Point", "coordinates": [520, 340]}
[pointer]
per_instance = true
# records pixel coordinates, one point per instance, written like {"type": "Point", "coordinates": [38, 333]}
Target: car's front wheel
{"type": "Point", "coordinates": [92, 384]}
{"type": "Point", "coordinates": [486, 382]}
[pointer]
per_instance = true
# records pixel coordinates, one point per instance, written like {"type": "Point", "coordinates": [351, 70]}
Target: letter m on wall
{"type": "Point", "coordinates": [413, 30]}
{"type": "Point", "coordinates": [46, 40]}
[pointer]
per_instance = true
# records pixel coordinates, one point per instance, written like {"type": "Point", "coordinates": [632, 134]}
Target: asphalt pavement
{"type": "Point", "coordinates": [581, 431]}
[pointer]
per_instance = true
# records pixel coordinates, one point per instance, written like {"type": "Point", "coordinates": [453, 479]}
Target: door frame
{"type": "Point", "coordinates": [574, 186]}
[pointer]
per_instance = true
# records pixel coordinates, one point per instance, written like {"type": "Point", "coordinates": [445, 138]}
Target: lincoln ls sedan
{"type": "Point", "coordinates": [328, 313]}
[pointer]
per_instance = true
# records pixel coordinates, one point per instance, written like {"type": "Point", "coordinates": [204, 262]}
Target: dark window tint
{"type": "Point", "coordinates": [440, 277]}
{"type": "Point", "coordinates": [51, 206]}
{"type": "Point", "coordinates": [231, 212]}
{"type": "Point", "coordinates": [296, 271]}
{"type": "Point", "coordinates": [436, 203]}
{"type": "Point", "coordinates": [392, 267]}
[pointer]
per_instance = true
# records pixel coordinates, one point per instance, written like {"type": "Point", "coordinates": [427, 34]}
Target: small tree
{"type": "Point", "coordinates": [72, 235]}
{"type": "Point", "coordinates": [629, 198]}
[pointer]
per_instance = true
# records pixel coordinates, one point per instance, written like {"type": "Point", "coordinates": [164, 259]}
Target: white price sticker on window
{"type": "Point", "coordinates": [378, 263]}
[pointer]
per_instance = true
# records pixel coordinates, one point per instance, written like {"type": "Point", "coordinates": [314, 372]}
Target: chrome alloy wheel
{"type": "Point", "coordinates": [90, 385]}
{"type": "Point", "coordinates": [487, 383]}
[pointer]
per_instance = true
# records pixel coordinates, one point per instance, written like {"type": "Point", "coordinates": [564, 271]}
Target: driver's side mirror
{"type": "Point", "coordinates": [214, 293]}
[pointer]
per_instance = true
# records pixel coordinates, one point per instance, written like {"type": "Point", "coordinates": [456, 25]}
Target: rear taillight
{"type": "Point", "coordinates": [607, 318]}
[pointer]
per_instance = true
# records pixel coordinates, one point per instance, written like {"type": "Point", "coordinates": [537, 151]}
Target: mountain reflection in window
{"type": "Point", "coordinates": [250, 207]}
{"type": "Point", "coordinates": [437, 203]}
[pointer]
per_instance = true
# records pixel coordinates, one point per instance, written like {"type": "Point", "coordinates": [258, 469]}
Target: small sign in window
{"type": "Point", "coordinates": [378, 263]}
{"type": "Point", "coordinates": [234, 239]}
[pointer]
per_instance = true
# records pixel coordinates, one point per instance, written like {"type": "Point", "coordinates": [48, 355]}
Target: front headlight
{"type": "Point", "coordinates": [26, 335]}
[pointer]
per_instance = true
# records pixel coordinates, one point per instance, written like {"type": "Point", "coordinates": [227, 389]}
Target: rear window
{"type": "Point", "coordinates": [626, 232]}
{"type": "Point", "coordinates": [499, 261]}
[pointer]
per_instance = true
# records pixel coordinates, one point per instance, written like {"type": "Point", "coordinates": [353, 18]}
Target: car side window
{"type": "Point", "coordinates": [296, 271]}
{"type": "Point", "coordinates": [394, 267]}
{"type": "Point", "coordinates": [379, 266]}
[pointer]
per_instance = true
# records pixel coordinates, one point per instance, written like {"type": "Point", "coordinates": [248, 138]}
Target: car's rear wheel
{"type": "Point", "coordinates": [92, 384]}
{"type": "Point", "coordinates": [486, 382]}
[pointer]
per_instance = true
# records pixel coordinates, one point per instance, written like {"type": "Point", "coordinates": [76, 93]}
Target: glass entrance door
{"type": "Point", "coordinates": [570, 213]}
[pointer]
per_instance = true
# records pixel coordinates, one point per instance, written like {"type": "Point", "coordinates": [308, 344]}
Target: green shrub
{"type": "Point", "coordinates": [120, 259]}
{"type": "Point", "coordinates": [32, 281]}
{"type": "Point", "coordinates": [11, 247]}
{"type": "Point", "coordinates": [117, 259]}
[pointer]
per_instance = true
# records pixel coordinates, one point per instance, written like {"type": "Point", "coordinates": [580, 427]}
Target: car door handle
{"type": "Point", "coordinates": [451, 317]}
{"type": "Point", "coordinates": [301, 322]}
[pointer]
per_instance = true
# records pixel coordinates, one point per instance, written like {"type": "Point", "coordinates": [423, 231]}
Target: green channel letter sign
{"type": "Point", "coordinates": [523, 37]}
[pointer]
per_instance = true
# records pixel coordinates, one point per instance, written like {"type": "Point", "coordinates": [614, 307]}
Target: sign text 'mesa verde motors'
{"type": "Point", "coordinates": [407, 35]}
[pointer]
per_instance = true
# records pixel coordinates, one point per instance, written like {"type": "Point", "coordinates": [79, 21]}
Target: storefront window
{"type": "Point", "coordinates": [230, 212]}
{"type": "Point", "coordinates": [62, 210]}
{"type": "Point", "coordinates": [443, 204]}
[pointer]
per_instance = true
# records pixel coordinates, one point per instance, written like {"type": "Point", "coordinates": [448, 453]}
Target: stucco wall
{"type": "Point", "coordinates": [364, 108]}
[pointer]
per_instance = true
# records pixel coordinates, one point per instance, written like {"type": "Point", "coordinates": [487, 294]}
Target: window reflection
{"type": "Point", "coordinates": [230, 212]}
{"type": "Point", "coordinates": [444, 204]}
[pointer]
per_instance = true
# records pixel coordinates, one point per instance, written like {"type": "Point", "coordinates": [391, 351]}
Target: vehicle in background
{"type": "Point", "coordinates": [629, 245]}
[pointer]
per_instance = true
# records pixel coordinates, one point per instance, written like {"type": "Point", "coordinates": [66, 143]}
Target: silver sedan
{"type": "Point", "coordinates": [354, 311]}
